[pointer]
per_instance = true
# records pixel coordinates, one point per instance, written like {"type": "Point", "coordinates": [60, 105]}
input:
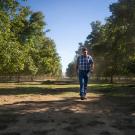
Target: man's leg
{"type": "Point", "coordinates": [85, 83]}
{"type": "Point", "coordinates": [81, 81]}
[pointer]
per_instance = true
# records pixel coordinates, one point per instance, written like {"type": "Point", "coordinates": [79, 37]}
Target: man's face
{"type": "Point", "coordinates": [85, 52]}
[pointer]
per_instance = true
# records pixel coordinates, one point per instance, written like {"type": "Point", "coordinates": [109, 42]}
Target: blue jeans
{"type": "Point", "coordinates": [83, 79]}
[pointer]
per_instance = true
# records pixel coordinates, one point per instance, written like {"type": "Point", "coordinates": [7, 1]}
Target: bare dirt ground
{"type": "Point", "coordinates": [47, 111]}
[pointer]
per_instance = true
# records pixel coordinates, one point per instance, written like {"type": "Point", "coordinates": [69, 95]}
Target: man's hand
{"type": "Point", "coordinates": [91, 71]}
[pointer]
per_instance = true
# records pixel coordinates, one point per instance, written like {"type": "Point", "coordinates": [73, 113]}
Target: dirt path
{"type": "Point", "coordinates": [48, 114]}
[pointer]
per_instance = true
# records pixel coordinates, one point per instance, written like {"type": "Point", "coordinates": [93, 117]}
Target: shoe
{"type": "Point", "coordinates": [82, 97]}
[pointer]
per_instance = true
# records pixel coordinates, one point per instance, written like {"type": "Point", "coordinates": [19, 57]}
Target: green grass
{"type": "Point", "coordinates": [63, 89]}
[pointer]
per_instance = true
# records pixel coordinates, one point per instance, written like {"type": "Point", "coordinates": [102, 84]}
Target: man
{"type": "Point", "coordinates": [84, 66]}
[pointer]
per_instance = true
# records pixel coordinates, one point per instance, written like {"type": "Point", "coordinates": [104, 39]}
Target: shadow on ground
{"type": "Point", "coordinates": [71, 116]}
{"type": "Point", "coordinates": [111, 113]}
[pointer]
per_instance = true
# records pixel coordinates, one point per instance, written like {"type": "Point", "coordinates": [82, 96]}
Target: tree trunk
{"type": "Point", "coordinates": [18, 78]}
{"type": "Point", "coordinates": [111, 81]}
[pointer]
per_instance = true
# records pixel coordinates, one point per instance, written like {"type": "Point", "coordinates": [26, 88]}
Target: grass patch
{"type": "Point", "coordinates": [23, 89]}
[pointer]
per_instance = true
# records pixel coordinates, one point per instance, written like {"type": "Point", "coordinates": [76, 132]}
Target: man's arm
{"type": "Point", "coordinates": [77, 65]}
{"type": "Point", "coordinates": [92, 67]}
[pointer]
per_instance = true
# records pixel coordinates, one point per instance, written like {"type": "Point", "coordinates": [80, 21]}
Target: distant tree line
{"type": "Point", "coordinates": [112, 44]}
{"type": "Point", "coordinates": [24, 47]}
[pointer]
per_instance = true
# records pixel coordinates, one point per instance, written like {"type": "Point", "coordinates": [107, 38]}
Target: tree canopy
{"type": "Point", "coordinates": [113, 44]}
{"type": "Point", "coordinates": [24, 46]}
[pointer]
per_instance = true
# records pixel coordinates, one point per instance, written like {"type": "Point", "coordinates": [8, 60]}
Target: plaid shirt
{"type": "Point", "coordinates": [84, 62]}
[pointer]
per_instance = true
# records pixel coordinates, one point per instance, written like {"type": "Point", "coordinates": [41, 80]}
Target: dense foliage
{"type": "Point", "coordinates": [113, 44]}
{"type": "Point", "coordinates": [24, 46]}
